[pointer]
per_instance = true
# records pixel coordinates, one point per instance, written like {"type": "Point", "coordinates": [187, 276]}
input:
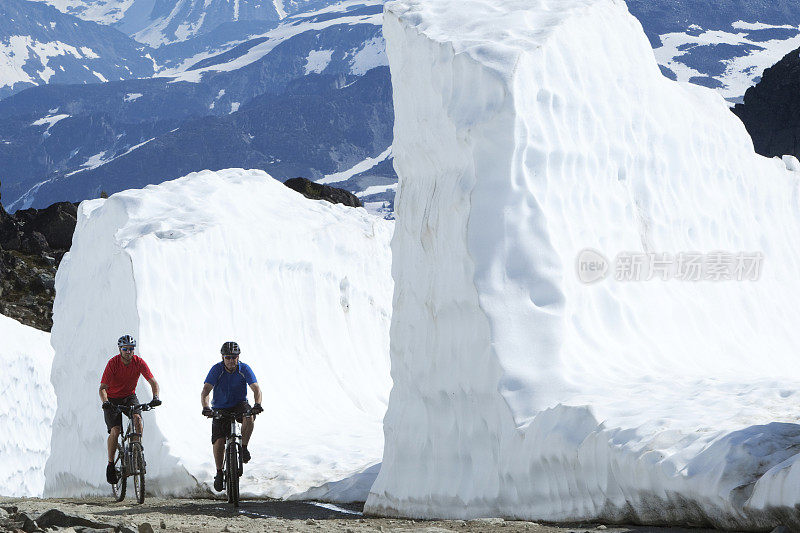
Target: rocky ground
{"type": "Point", "coordinates": [213, 516]}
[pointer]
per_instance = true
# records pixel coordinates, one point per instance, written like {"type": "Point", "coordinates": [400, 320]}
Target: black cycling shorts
{"type": "Point", "coordinates": [221, 429]}
{"type": "Point", "coordinates": [114, 417]}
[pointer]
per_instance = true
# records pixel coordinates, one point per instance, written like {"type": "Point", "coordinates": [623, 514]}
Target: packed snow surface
{"type": "Point", "coordinates": [27, 405]}
{"type": "Point", "coordinates": [526, 132]}
{"type": "Point", "coordinates": [304, 287]}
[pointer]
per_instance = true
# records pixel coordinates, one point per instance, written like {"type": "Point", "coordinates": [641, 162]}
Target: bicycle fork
{"type": "Point", "coordinates": [228, 467]}
{"type": "Point", "coordinates": [131, 467]}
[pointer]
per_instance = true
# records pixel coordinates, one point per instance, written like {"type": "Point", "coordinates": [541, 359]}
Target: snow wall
{"type": "Point", "coordinates": [304, 287]}
{"type": "Point", "coordinates": [27, 405]}
{"type": "Point", "coordinates": [527, 131]}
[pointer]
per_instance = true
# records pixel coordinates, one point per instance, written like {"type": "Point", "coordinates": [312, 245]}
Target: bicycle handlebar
{"type": "Point", "coordinates": [129, 409]}
{"type": "Point", "coordinates": [219, 414]}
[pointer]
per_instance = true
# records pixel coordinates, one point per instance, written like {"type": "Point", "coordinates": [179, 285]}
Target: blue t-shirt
{"type": "Point", "coordinates": [230, 388]}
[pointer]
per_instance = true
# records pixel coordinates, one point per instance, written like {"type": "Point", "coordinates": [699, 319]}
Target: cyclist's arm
{"type": "Point", "coordinates": [204, 395]}
{"type": "Point", "coordinates": [103, 393]}
{"type": "Point", "coordinates": [153, 386]}
{"type": "Point", "coordinates": [256, 392]}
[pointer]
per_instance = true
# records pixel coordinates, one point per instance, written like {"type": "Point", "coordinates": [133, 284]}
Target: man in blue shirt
{"type": "Point", "coordinates": [229, 380]}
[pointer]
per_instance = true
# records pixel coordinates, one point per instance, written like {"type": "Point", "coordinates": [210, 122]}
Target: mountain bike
{"type": "Point", "coordinates": [129, 457]}
{"type": "Point", "coordinates": [232, 462]}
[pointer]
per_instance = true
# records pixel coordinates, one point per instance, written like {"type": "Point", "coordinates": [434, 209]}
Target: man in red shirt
{"type": "Point", "coordinates": [118, 387]}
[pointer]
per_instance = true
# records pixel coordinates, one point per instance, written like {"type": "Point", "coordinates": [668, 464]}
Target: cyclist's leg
{"type": "Point", "coordinates": [111, 443]}
{"type": "Point", "coordinates": [246, 421]}
{"type": "Point", "coordinates": [247, 429]}
{"type": "Point", "coordinates": [137, 423]}
{"type": "Point", "coordinates": [219, 452]}
{"type": "Point", "coordinates": [114, 426]}
{"type": "Point", "coordinates": [137, 416]}
{"type": "Point", "coordinates": [220, 430]}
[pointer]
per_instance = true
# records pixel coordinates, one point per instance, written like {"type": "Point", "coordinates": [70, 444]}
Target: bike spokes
{"type": "Point", "coordinates": [138, 472]}
{"type": "Point", "coordinates": [119, 487]}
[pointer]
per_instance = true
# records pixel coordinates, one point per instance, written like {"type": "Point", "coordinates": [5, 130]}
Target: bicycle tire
{"type": "Point", "coordinates": [227, 468]}
{"type": "Point", "coordinates": [118, 488]}
{"type": "Point", "coordinates": [233, 475]}
{"type": "Point", "coordinates": [138, 472]}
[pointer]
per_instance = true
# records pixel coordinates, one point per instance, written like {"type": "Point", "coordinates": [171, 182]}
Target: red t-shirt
{"type": "Point", "coordinates": [122, 379]}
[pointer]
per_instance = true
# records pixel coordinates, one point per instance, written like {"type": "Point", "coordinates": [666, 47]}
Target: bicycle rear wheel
{"type": "Point", "coordinates": [118, 488]}
{"type": "Point", "coordinates": [138, 471]}
{"type": "Point", "coordinates": [233, 475]}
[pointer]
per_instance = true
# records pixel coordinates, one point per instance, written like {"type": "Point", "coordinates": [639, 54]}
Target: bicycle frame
{"type": "Point", "coordinates": [129, 411]}
{"type": "Point", "coordinates": [131, 453]}
{"type": "Point", "coordinates": [233, 448]}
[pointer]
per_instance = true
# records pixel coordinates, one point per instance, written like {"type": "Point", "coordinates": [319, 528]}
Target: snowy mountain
{"type": "Point", "coordinates": [303, 285]}
{"type": "Point", "coordinates": [343, 38]}
{"type": "Point", "coordinates": [272, 48]}
{"type": "Point", "coordinates": [723, 45]}
{"type": "Point", "coordinates": [75, 141]}
{"type": "Point", "coordinates": [179, 20]}
{"type": "Point", "coordinates": [40, 45]}
{"type": "Point", "coordinates": [160, 22]}
{"type": "Point", "coordinates": [595, 276]}
{"type": "Point", "coordinates": [281, 133]}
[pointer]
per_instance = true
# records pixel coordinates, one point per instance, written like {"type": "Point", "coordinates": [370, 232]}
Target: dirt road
{"type": "Point", "coordinates": [214, 516]}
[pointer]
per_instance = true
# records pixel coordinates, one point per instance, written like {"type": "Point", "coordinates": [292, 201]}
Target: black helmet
{"type": "Point", "coordinates": [230, 348]}
{"type": "Point", "coordinates": [126, 340]}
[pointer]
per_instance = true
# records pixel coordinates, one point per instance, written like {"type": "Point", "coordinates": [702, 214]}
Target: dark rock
{"type": "Point", "coordinates": [771, 109]}
{"type": "Point", "coordinates": [9, 231]}
{"type": "Point", "coordinates": [27, 524]}
{"type": "Point", "coordinates": [317, 191]}
{"type": "Point", "coordinates": [56, 223]}
{"type": "Point", "coordinates": [44, 281]}
{"type": "Point", "coordinates": [56, 518]}
{"type": "Point", "coordinates": [34, 243]}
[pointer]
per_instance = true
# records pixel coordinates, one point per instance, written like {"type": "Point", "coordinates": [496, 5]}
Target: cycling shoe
{"type": "Point", "coordinates": [111, 474]}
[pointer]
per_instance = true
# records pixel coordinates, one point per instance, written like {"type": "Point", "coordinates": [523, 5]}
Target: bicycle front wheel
{"type": "Point", "coordinates": [138, 471]}
{"type": "Point", "coordinates": [118, 488]}
{"type": "Point", "coordinates": [233, 475]}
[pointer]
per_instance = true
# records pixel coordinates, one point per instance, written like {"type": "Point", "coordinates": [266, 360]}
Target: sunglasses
{"type": "Point", "coordinates": [127, 349]}
{"type": "Point", "coordinates": [231, 356]}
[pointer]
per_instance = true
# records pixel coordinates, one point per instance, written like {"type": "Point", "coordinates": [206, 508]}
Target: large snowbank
{"type": "Point", "coordinates": [527, 131]}
{"type": "Point", "coordinates": [27, 405]}
{"type": "Point", "coordinates": [304, 287]}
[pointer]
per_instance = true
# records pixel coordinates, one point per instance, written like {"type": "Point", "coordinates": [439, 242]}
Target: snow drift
{"type": "Point", "coordinates": [526, 132]}
{"type": "Point", "coordinates": [303, 286]}
{"type": "Point", "coordinates": [27, 405]}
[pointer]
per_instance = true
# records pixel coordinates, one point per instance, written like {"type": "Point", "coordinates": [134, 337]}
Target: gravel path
{"type": "Point", "coordinates": [207, 516]}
